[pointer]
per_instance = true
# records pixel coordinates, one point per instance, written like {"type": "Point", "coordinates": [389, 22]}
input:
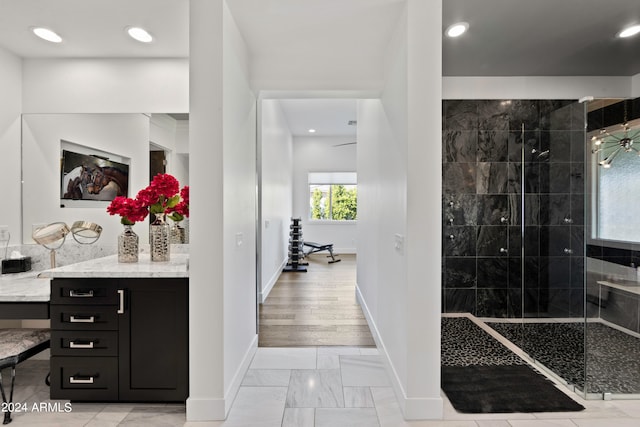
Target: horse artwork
{"type": "Point", "coordinates": [87, 177]}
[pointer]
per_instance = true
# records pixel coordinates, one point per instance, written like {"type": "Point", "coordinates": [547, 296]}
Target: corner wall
{"type": "Point", "coordinates": [399, 174]}
{"type": "Point", "coordinates": [276, 193]}
{"type": "Point", "coordinates": [10, 108]}
{"type": "Point", "coordinates": [222, 296]}
{"type": "Point", "coordinates": [635, 86]}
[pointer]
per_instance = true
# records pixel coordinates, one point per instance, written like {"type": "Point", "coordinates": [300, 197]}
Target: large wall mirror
{"type": "Point", "coordinates": [128, 142]}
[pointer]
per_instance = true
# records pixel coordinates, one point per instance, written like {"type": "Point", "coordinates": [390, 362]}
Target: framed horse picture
{"type": "Point", "coordinates": [92, 177]}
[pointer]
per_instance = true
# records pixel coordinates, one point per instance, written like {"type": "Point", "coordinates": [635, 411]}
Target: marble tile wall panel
{"type": "Point", "coordinates": [492, 303]}
{"type": "Point", "coordinates": [460, 115]}
{"type": "Point", "coordinates": [493, 145]}
{"type": "Point", "coordinates": [491, 184]}
{"type": "Point", "coordinates": [492, 241]}
{"type": "Point", "coordinates": [460, 146]}
{"type": "Point", "coordinates": [460, 272]}
{"type": "Point", "coordinates": [460, 241]}
{"type": "Point", "coordinates": [491, 178]}
{"type": "Point", "coordinates": [493, 272]}
{"type": "Point", "coordinates": [461, 208]}
{"type": "Point", "coordinates": [459, 178]}
{"type": "Point", "coordinates": [460, 300]}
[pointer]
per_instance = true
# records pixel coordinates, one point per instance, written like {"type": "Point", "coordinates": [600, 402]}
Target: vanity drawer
{"type": "Point", "coordinates": [84, 343]}
{"type": "Point", "coordinates": [84, 378]}
{"type": "Point", "coordinates": [84, 291]}
{"type": "Point", "coordinates": [93, 318]}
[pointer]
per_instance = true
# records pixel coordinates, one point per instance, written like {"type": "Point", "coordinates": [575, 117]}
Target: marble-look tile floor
{"type": "Point", "coordinates": [300, 387]}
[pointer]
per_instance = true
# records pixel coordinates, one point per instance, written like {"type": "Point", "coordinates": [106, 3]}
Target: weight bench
{"type": "Point", "coordinates": [17, 345]}
{"type": "Point", "coordinates": [317, 247]}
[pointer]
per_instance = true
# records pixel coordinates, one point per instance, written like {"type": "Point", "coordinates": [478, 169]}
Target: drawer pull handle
{"type": "Point", "coordinates": [74, 380]}
{"type": "Point", "coordinates": [73, 344]}
{"type": "Point", "coordinates": [121, 307]}
{"type": "Point", "coordinates": [74, 319]}
{"type": "Point", "coordinates": [80, 294]}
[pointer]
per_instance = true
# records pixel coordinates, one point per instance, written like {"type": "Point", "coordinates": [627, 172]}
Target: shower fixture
{"type": "Point", "coordinates": [607, 145]}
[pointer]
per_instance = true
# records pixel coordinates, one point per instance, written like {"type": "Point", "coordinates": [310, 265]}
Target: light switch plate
{"type": "Point", "coordinates": [4, 233]}
{"type": "Point", "coordinates": [399, 243]}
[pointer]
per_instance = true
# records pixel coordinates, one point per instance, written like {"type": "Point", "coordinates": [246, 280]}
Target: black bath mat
{"type": "Point", "coordinates": [503, 389]}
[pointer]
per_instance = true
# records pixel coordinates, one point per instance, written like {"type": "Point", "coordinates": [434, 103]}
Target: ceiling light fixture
{"type": "Point", "coordinates": [457, 29]}
{"type": "Point", "coordinates": [46, 34]}
{"type": "Point", "coordinates": [608, 145]}
{"type": "Point", "coordinates": [140, 34]}
{"type": "Point", "coordinates": [312, 131]}
{"type": "Point", "coordinates": [629, 31]}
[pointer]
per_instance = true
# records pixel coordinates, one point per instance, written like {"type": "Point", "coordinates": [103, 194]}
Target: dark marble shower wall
{"type": "Point", "coordinates": [482, 210]}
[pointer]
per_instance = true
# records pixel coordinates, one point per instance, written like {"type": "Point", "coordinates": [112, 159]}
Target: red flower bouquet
{"type": "Point", "coordinates": [159, 197]}
{"type": "Point", "coordinates": [130, 210]}
{"type": "Point", "coordinates": [181, 210]}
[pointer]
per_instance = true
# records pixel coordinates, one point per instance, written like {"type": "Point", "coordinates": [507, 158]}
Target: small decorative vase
{"type": "Point", "coordinates": [178, 234]}
{"type": "Point", "coordinates": [159, 239]}
{"type": "Point", "coordinates": [128, 245]}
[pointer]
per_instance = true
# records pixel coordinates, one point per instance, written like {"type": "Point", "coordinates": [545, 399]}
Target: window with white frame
{"type": "Point", "coordinates": [333, 196]}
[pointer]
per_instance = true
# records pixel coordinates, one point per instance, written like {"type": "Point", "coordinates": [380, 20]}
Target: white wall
{"type": "Point", "coordinates": [399, 174]}
{"type": "Point", "coordinates": [520, 87]}
{"type": "Point", "coordinates": [173, 136]}
{"type": "Point", "coordinates": [106, 85]}
{"type": "Point", "coordinates": [277, 189]}
{"type": "Point", "coordinates": [635, 86]}
{"type": "Point", "coordinates": [10, 108]}
{"type": "Point", "coordinates": [318, 154]}
{"type": "Point", "coordinates": [239, 159]}
{"type": "Point", "coordinates": [125, 135]}
{"type": "Point", "coordinates": [222, 173]}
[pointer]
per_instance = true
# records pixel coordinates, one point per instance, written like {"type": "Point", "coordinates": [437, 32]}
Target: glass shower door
{"type": "Point", "coordinates": [553, 243]}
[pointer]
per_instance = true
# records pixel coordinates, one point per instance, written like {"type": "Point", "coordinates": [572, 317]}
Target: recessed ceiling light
{"type": "Point", "coordinates": [457, 29]}
{"type": "Point", "coordinates": [629, 31]}
{"type": "Point", "coordinates": [47, 34]}
{"type": "Point", "coordinates": [140, 34]}
{"type": "Point", "coordinates": [312, 131]}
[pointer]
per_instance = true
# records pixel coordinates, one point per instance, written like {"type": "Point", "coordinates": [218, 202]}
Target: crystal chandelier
{"type": "Point", "coordinates": [608, 145]}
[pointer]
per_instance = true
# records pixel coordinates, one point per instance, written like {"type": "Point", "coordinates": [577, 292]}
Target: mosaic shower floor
{"type": "Point", "coordinates": [612, 359]}
{"type": "Point", "coordinates": [612, 362]}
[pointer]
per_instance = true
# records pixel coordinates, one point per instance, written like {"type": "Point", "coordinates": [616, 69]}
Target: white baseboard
{"type": "Point", "coordinates": [272, 281]}
{"type": "Point", "coordinates": [412, 408]}
{"type": "Point", "coordinates": [216, 409]}
{"type": "Point", "coordinates": [231, 392]}
{"type": "Point", "coordinates": [346, 251]}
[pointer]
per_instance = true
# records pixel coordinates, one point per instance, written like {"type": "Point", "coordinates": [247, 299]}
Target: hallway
{"type": "Point", "coordinates": [316, 308]}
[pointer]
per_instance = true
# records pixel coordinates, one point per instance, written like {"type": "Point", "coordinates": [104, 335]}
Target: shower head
{"type": "Point", "coordinates": [541, 154]}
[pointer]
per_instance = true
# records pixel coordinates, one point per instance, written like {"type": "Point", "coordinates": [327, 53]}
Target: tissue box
{"type": "Point", "coordinates": [17, 265]}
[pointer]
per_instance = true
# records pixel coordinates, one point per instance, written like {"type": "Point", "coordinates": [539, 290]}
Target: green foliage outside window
{"type": "Point", "coordinates": [334, 202]}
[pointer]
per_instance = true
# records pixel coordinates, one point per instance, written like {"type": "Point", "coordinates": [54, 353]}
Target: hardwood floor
{"type": "Point", "coordinates": [316, 308]}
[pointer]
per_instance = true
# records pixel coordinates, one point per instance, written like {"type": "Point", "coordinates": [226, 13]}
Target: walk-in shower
{"type": "Point", "coordinates": [522, 202]}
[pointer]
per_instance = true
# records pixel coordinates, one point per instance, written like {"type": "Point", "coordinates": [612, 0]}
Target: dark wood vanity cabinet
{"type": "Point", "coordinates": [119, 339]}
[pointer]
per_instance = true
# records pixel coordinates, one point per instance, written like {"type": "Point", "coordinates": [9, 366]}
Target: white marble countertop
{"type": "Point", "coordinates": [177, 266]}
{"type": "Point", "coordinates": [24, 287]}
{"type": "Point", "coordinates": [623, 285]}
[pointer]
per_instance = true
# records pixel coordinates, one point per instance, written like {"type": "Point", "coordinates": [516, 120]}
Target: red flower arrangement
{"type": "Point", "coordinates": [160, 197]}
{"type": "Point", "coordinates": [181, 210]}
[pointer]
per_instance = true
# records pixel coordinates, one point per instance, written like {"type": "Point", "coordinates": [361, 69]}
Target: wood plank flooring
{"type": "Point", "coordinates": [316, 308]}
